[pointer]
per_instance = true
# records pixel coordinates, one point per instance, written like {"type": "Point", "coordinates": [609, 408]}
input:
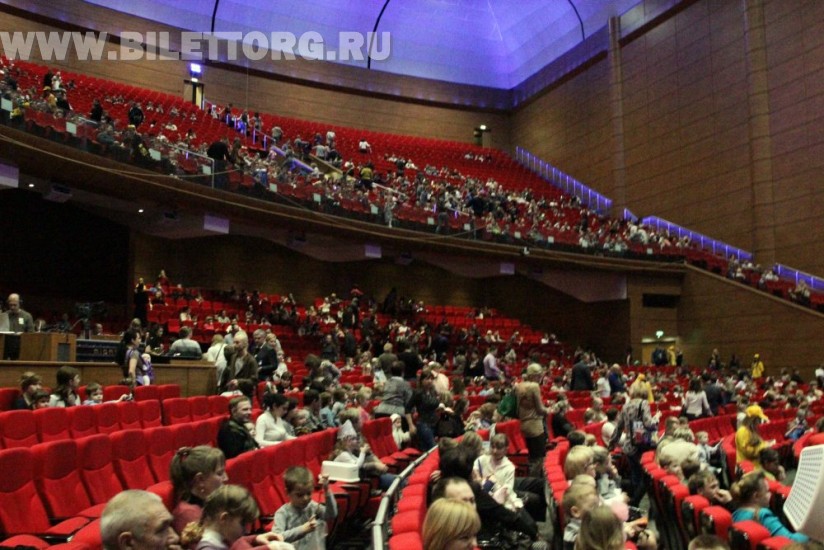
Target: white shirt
{"type": "Point", "coordinates": [270, 430]}
{"type": "Point", "coordinates": [602, 387]}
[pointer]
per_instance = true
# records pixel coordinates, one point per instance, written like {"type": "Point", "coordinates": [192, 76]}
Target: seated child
{"type": "Point", "coordinates": [302, 521]}
{"type": "Point", "coordinates": [226, 511]}
{"type": "Point", "coordinates": [349, 450]}
{"type": "Point", "coordinates": [578, 499]}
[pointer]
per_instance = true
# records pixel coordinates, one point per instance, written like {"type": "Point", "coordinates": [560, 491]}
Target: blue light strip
{"type": "Point", "coordinates": [563, 181]}
{"type": "Point", "coordinates": [707, 243]}
{"type": "Point", "coordinates": [600, 203]}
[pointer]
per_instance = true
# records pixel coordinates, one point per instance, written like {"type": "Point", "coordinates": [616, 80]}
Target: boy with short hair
{"type": "Point", "coordinates": [579, 499]}
{"type": "Point", "coordinates": [302, 521]}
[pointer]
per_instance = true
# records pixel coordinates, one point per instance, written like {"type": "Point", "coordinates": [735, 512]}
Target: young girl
{"type": "Point", "coordinates": [226, 513]}
{"type": "Point", "coordinates": [349, 450]}
{"type": "Point", "coordinates": [65, 394]}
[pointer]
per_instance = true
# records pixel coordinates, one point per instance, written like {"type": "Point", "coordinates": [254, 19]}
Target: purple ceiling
{"type": "Point", "coordinates": [490, 43]}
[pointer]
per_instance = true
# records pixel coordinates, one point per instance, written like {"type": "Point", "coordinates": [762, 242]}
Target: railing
{"type": "Point", "coordinates": [588, 197]}
{"type": "Point", "coordinates": [380, 528]}
{"type": "Point", "coordinates": [592, 199]}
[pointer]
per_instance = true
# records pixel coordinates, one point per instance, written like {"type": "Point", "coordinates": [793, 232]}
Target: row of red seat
{"type": "Point", "coordinates": [26, 428]}
{"type": "Point", "coordinates": [110, 393]}
{"type": "Point", "coordinates": [74, 479]}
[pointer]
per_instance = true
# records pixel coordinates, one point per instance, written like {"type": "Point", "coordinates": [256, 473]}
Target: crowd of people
{"type": "Point", "coordinates": [489, 208]}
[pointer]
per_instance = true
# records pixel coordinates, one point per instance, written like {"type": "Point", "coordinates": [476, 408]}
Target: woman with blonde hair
{"type": "Point", "coordinates": [600, 530]}
{"type": "Point", "coordinates": [451, 524]}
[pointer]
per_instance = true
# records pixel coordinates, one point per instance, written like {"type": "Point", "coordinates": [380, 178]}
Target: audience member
{"type": "Point", "coordinates": [233, 437]}
{"type": "Point", "coordinates": [30, 384]}
{"type": "Point", "coordinates": [451, 524]}
{"type": "Point", "coordinates": [752, 494]}
{"type": "Point", "coordinates": [137, 520]}
{"type": "Point", "coordinates": [65, 394]}
{"type": "Point", "coordinates": [302, 521]}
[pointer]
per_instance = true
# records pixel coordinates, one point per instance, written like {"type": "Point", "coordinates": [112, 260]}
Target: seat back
{"type": "Point", "coordinates": [146, 393]}
{"type": "Point", "coordinates": [108, 419]}
{"type": "Point", "coordinates": [260, 483]}
{"type": "Point", "coordinates": [114, 392]}
{"type": "Point", "coordinates": [716, 520]}
{"type": "Point", "coordinates": [176, 410]}
{"type": "Point", "coordinates": [150, 413]}
{"type": "Point", "coordinates": [199, 408]}
{"type": "Point", "coordinates": [691, 508]}
{"type": "Point", "coordinates": [52, 423]}
{"type": "Point", "coordinates": [166, 491]}
{"type": "Point", "coordinates": [7, 398]}
{"type": "Point", "coordinates": [131, 459]}
{"type": "Point", "coordinates": [97, 468]}
{"type": "Point", "coordinates": [746, 535]}
{"type": "Point", "coordinates": [162, 448]}
{"type": "Point", "coordinates": [58, 480]}
{"type": "Point", "coordinates": [21, 510]}
{"type": "Point", "coordinates": [82, 422]}
{"type": "Point", "coordinates": [129, 415]}
{"type": "Point", "coordinates": [203, 432]}
{"type": "Point", "coordinates": [184, 435]}
{"type": "Point", "coordinates": [18, 429]}
{"type": "Point", "coordinates": [169, 391]}
{"type": "Point", "coordinates": [218, 405]}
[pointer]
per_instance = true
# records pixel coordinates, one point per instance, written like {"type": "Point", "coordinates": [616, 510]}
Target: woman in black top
{"type": "Point", "coordinates": [426, 403]}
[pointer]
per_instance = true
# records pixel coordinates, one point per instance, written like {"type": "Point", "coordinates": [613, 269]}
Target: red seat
{"type": "Point", "coordinates": [7, 398]}
{"type": "Point", "coordinates": [114, 392]}
{"type": "Point", "coordinates": [150, 415]}
{"type": "Point", "coordinates": [18, 429]}
{"type": "Point", "coordinates": [58, 481]}
{"type": "Point", "coordinates": [96, 468]}
{"type": "Point", "coordinates": [21, 510]}
{"type": "Point", "coordinates": [176, 410]}
{"type": "Point", "coordinates": [128, 413]}
{"type": "Point", "coordinates": [108, 420]}
{"type": "Point", "coordinates": [204, 434]}
{"type": "Point", "coordinates": [169, 391]}
{"type": "Point", "coordinates": [166, 491]}
{"type": "Point", "coordinates": [716, 520]}
{"type": "Point", "coordinates": [691, 508]}
{"type": "Point", "coordinates": [82, 421]}
{"type": "Point", "coordinates": [184, 435]}
{"type": "Point", "coordinates": [162, 449]}
{"type": "Point", "coordinates": [52, 423]}
{"type": "Point", "coordinates": [145, 393]}
{"type": "Point", "coordinates": [131, 463]}
{"type": "Point", "coordinates": [89, 536]}
{"type": "Point", "coordinates": [746, 535]}
{"type": "Point", "coordinates": [199, 408]}
{"type": "Point", "coordinates": [218, 405]}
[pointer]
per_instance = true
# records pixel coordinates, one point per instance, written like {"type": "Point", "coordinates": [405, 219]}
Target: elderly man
{"type": "Point", "coordinates": [16, 319]}
{"type": "Point", "coordinates": [137, 520]}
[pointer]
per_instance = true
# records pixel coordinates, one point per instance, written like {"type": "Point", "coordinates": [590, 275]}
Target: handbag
{"type": "Point", "coordinates": [508, 407]}
{"type": "Point", "coordinates": [642, 437]}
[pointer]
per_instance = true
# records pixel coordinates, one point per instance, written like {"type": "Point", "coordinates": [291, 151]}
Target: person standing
{"type": "Point", "coordinates": [532, 416]}
{"type": "Point", "coordinates": [19, 320]}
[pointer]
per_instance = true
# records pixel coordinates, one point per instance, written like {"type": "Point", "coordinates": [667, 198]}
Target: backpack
{"type": "Point", "coordinates": [508, 407]}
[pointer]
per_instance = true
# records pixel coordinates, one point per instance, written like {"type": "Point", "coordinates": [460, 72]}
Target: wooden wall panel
{"type": "Point", "coordinates": [715, 312]}
{"type": "Point", "coordinates": [795, 58]}
{"type": "Point", "coordinates": [570, 126]}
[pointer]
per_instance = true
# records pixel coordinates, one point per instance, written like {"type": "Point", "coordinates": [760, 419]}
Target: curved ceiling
{"type": "Point", "coordinates": [497, 44]}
